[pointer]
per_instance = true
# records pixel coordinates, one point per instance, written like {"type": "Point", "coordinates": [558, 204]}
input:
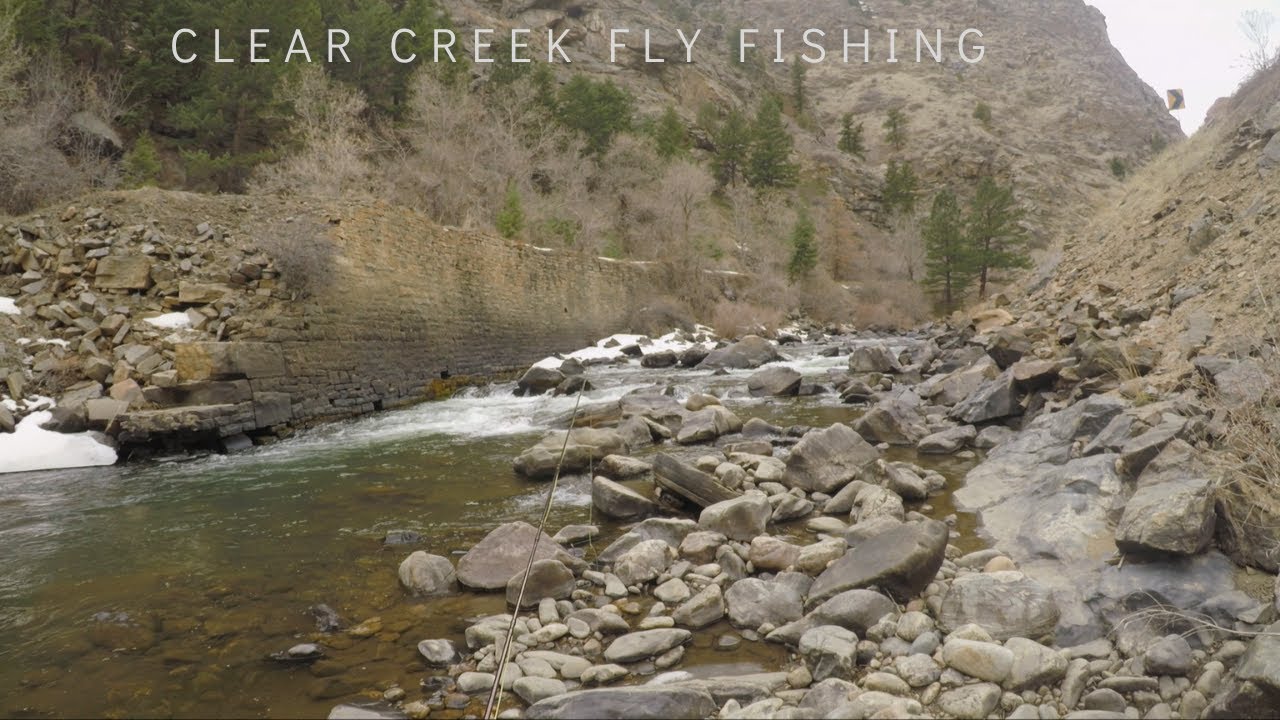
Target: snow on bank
{"type": "Point", "coordinates": [30, 447]}
{"type": "Point", "coordinates": [171, 320]}
{"type": "Point", "coordinates": [610, 348]}
{"type": "Point", "coordinates": [9, 307]}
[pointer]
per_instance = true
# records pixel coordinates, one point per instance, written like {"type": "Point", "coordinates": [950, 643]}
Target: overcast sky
{"type": "Point", "coordinates": [1194, 45]}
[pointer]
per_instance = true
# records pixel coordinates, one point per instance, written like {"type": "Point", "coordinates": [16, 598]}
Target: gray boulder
{"type": "Point", "coordinates": [708, 424]}
{"type": "Point", "coordinates": [742, 518]}
{"type": "Point", "coordinates": [895, 420]}
{"type": "Point", "coordinates": [1034, 665]}
{"type": "Point", "coordinates": [586, 447]}
{"type": "Point", "coordinates": [644, 562]}
{"type": "Point", "coordinates": [1006, 604]}
{"type": "Point", "coordinates": [854, 610]}
{"type": "Point", "coordinates": [1172, 510]}
{"type": "Point", "coordinates": [438, 653]}
{"type": "Point", "coordinates": [1253, 690]}
{"type": "Point", "coordinates": [704, 608]}
{"type": "Point", "coordinates": [747, 354]}
{"type": "Point", "coordinates": [425, 574]}
{"type": "Point", "coordinates": [777, 381]}
{"type": "Point", "coordinates": [873, 359]}
{"type": "Point", "coordinates": [996, 399]}
{"type": "Point", "coordinates": [946, 442]}
{"type": "Point", "coordinates": [827, 460]}
{"type": "Point", "coordinates": [645, 644]}
{"type": "Point", "coordinates": [752, 602]}
{"type": "Point", "coordinates": [901, 562]}
{"type": "Point", "coordinates": [830, 651]}
{"type": "Point", "coordinates": [639, 702]}
{"type": "Point", "coordinates": [672, 531]}
{"type": "Point", "coordinates": [547, 579]}
{"type": "Point", "coordinates": [538, 380]}
{"type": "Point", "coordinates": [493, 561]}
{"type": "Point", "coordinates": [619, 501]}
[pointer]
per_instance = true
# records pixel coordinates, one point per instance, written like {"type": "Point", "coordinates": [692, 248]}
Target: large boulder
{"type": "Point", "coordinates": [708, 424]}
{"type": "Point", "coordinates": [752, 602]}
{"type": "Point", "coordinates": [777, 381]}
{"type": "Point", "coordinates": [855, 610]}
{"type": "Point", "coordinates": [704, 608]}
{"type": "Point", "coordinates": [644, 562]}
{"type": "Point", "coordinates": [1172, 510]}
{"type": "Point", "coordinates": [873, 359]}
{"type": "Point", "coordinates": [827, 460]}
{"type": "Point", "coordinates": [618, 501]}
{"type": "Point", "coordinates": [637, 702]}
{"type": "Point", "coordinates": [748, 353]}
{"type": "Point", "coordinates": [955, 386]}
{"type": "Point", "coordinates": [672, 531]}
{"type": "Point", "coordinates": [1006, 604]}
{"type": "Point", "coordinates": [586, 447]}
{"type": "Point", "coordinates": [503, 553]}
{"type": "Point", "coordinates": [995, 399]}
{"type": "Point", "coordinates": [425, 574]}
{"type": "Point", "coordinates": [538, 380]}
{"type": "Point", "coordinates": [645, 644]}
{"type": "Point", "coordinates": [123, 272]}
{"type": "Point", "coordinates": [895, 420]}
{"type": "Point", "coordinates": [1253, 690]}
{"type": "Point", "coordinates": [901, 562]}
{"type": "Point", "coordinates": [741, 518]}
{"type": "Point", "coordinates": [830, 651]}
{"type": "Point", "coordinates": [547, 579]}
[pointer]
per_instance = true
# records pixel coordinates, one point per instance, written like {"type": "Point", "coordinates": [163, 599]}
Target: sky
{"type": "Point", "coordinates": [1195, 45]}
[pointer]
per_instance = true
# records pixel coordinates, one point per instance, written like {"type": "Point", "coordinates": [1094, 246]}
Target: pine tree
{"type": "Point", "coordinates": [769, 164]}
{"type": "Point", "coordinates": [895, 127]}
{"type": "Point", "coordinates": [948, 258]}
{"type": "Point", "coordinates": [851, 138]}
{"type": "Point", "coordinates": [996, 239]}
{"type": "Point", "coordinates": [733, 144]}
{"type": "Point", "coordinates": [597, 109]}
{"type": "Point", "coordinates": [142, 162]}
{"type": "Point", "coordinates": [669, 135]}
{"type": "Point", "coordinates": [510, 220]}
{"type": "Point", "coordinates": [900, 186]}
{"type": "Point", "coordinates": [804, 250]}
{"type": "Point", "coordinates": [798, 72]}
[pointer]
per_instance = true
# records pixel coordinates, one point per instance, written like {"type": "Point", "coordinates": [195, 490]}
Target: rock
{"type": "Point", "coordinates": [123, 272]}
{"type": "Point", "coordinates": [1171, 655]}
{"type": "Point", "coordinates": [708, 424]}
{"type": "Point", "coordinates": [618, 501]}
{"type": "Point", "coordinates": [535, 689]}
{"type": "Point", "coordinates": [753, 602]}
{"type": "Point", "coordinates": [777, 381]}
{"type": "Point", "coordinates": [586, 447]}
{"type": "Point", "coordinates": [645, 644]}
{"type": "Point", "coordinates": [660, 359]}
{"type": "Point", "coordinates": [1007, 346]}
{"type": "Point", "coordinates": [438, 653]}
{"type": "Point", "coordinates": [948, 441]}
{"type": "Point", "coordinates": [192, 293]}
{"type": "Point", "coordinates": [825, 696]}
{"type": "Point", "coordinates": [996, 399]}
{"type": "Point", "coordinates": [644, 562]}
{"type": "Point", "coordinates": [748, 353]}
{"type": "Point", "coordinates": [673, 592]}
{"type": "Point", "coordinates": [672, 531]}
{"type": "Point", "coordinates": [475, 682]}
{"type": "Point", "coordinates": [547, 579]}
{"type": "Point", "coordinates": [1104, 699]}
{"type": "Point", "coordinates": [815, 558]}
{"type": "Point", "coordinates": [955, 386]}
{"type": "Point", "coordinates": [639, 703]}
{"type": "Point", "coordinates": [901, 561]}
{"type": "Point", "coordinates": [575, 534]}
{"type": "Point", "coordinates": [424, 574]}
{"type": "Point", "coordinates": [983, 660]}
{"type": "Point", "coordinates": [704, 608]}
{"type": "Point", "coordinates": [873, 359]}
{"type": "Point", "coordinates": [1034, 665]}
{"type": "Point", "coordinates": [742, 518]}
{"type": "Point", "coordinates": [621, 467]}
{"type": "Point", "coordinates": [830, 651]}
{"type": "Point", "coordinates": [538, 380]}
{"type": "Point", "coordinates": [875, 503]}
{"type": "Point", "coordinates": [894, 420]}
{"type": "Point", "coordinates": [602, 674]}
{"type": "Point", "coordinates": [1137, 452]}
{"type": "Point", "coordinates": [503, 553]}
{"type": "Point", "coordinates": [917, 670]}
{"type": "Point", "coordinates": [1172, 509]}
{"type": "Point", "coordinates": [771, 554]}
{"type": "Point", "coordinates": [1005, 604]}
{"type": "Point", "coordinates": [1034, 374]}
{"type": "Point", "coordinates": [827, 460]}
{"type": "Point", "coordinates": [365, 712]}
{"type": "Point", "coordinates": [970, 702]}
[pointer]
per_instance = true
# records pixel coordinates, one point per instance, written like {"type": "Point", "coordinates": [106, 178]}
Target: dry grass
{"type": "Point", "coordinates": [735, 319]}
{"type": "Point", "coordinates": [303, 252]}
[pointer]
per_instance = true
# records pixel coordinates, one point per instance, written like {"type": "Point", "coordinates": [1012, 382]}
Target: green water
{"type": "Point", "coordinates": [206, 566]}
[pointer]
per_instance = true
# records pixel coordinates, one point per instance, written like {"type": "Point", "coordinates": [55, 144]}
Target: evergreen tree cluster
{"type": "Point", "coordinates": [962, 249]}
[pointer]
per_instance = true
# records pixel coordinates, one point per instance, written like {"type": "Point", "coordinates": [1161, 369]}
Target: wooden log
{"type": "Point", "coordinates": [689, 482]}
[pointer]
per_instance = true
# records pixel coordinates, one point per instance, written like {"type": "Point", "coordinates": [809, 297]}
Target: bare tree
{"type": "Point", "coordinates": [686, 186]}
{"type": "Point", "coordinates": [1256, 26]}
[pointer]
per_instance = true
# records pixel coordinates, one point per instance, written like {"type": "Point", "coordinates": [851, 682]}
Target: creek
{"type": "Point", "coordinates": [159, 588]}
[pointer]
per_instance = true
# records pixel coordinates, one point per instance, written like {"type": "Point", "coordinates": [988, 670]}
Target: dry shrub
{"type": "Point", "coordinates": [735, 319]}
{"type": "Point", "coordinates": [1248, 462]}
{"type": "Point", "coordinates": [334, 155]}
{"type": "Point", "coordinates": [304, 253]}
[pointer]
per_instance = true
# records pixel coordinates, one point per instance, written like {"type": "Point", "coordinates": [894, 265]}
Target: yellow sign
{"type": "Point", "coordinates": [1176, 101]}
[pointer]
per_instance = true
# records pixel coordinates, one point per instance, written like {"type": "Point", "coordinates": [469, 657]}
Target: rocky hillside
{"type": "Point", "coordinates": [1182, 257]}
{"type": "Point", "coordinates": [1062, 100]}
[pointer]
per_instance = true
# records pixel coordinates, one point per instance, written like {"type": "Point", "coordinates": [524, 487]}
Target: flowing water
{"type": "Point", "coordinates": [158, 589]}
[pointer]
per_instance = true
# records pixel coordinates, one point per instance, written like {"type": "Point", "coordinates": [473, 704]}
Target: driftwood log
{"type": "Point", "coordinates": [689, 482]}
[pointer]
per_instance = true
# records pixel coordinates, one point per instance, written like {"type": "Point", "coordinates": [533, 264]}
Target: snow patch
{"type": "Point", "coordinates": [43, 341]}
{"type": "Point", "coordinates": [9, 307]}
{"type": "Point", "coordinates": [170, 320]}
{"type": "Point", "coordinates": [30, 447]}
{"type": "Point", "coordinates": [648, 346]}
